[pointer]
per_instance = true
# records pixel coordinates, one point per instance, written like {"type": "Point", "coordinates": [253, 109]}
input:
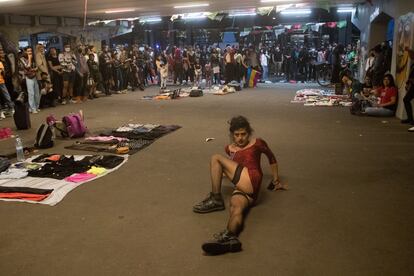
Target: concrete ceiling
{"type": "Point", "coordinates": [97, 8]}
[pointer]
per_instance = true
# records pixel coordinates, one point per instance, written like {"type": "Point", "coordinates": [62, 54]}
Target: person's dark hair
{"type": "Point", "coordinates": [238, 123]}
{"type": "Point", "coordinates": [391, 78]}
{"type": "Point", "coordinates": [346, 73]}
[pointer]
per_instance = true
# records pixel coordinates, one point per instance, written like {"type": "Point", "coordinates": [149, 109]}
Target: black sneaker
{"type": "Point", "coordinates": [223, 242]}
{"type": "Point", "coordinates": [407, 121]}
{"type": "Point", "coordinates": [210, 204]}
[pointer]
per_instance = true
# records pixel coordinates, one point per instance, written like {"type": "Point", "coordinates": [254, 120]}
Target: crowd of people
{"type": "Point", "coordinates": [76, 74]}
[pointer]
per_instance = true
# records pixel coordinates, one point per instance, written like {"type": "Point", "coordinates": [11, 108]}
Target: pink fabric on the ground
{"type": "Point", "coordinates": [80, 177]}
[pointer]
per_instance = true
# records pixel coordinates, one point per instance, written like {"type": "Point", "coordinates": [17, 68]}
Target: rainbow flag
{"type": "Point", "coordinates": [252, 77]}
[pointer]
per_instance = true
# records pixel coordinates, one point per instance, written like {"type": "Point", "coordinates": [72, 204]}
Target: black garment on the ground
{"type": "Point", "coordinates": [105, 161]}
{"type": "Point", "coordinates": [25, 190]}
{"type": "Point", "coordinates": [152, 135]}
{"type": "Point", "coordinates": [64, 167]}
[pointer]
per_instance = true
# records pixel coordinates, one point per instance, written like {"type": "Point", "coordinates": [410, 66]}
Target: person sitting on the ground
{"type": "Point", "coordinates": [47, 96]}
{"type": "Point", "coordinates": [387, 99]}
{"type": "Point", "coordinates": [242, 166]}
{"type": "Point", "coordinates": [354, 86]}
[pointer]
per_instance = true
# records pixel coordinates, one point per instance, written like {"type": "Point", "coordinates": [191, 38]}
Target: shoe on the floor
{"type": "Point", "coordinates": [210, 204]}
{"type": "Point", "coordinates": [411, 129]}
{"type": "Point", "coordinates": [63, 102]}
{"type": "Point", "coordinates": [406, 121]}
{"type": "Point", "coordinates": [222, 242]}
{"type": "Point", "coordinates": [2, 116]}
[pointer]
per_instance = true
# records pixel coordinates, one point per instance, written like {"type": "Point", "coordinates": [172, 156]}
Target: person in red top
{"type": "Point", "coordinates": [387, 99]}
{"type": "Point", "coordinates": [242, 166]}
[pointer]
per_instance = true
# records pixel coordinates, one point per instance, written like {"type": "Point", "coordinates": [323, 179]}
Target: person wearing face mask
{"type": "Point", "coordinates": [277, 59]}
{"type": "Point", "coordinates": [29, 70]}
{"type": "Point", "coordinates": [242, 167]}
{"type": "Point", "coordinates": [68, 63]}
{"type": "Point", "coordinates": [82, 74]}
{"type": "Point", "coordinates": [105, 67]}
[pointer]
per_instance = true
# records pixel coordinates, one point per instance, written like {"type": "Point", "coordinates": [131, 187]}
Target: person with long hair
{"type": "Point", "coordinates": [387, 99]}
{"type": "Point", "coordinates": [242, 167]}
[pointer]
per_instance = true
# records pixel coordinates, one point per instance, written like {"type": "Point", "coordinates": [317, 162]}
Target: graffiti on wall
{"type": "Point", "coordinates": [405, 38]}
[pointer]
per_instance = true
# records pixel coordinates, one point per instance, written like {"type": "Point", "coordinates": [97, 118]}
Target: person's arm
{"type": "Point", "coordinates": [410, 52]}
{"type": "Point", "coordinates": [276, 184]}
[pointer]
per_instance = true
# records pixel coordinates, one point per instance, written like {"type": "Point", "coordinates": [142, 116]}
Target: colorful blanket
{"type": "Point", "coordinates": [47, 190]}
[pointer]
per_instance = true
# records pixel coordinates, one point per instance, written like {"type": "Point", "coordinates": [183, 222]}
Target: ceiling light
{"type": "Point", "coordinates": [272, 1]}
{"type": "Point", "coordinates": [191, 6]}
{"type": "Point", "coordinates": [242, 14]}
{"type": "Point", "coordinates": [194, 16]}
{"type": "Point", "coordinates": [151, 20]}
{"type": "Point", "coordinates": [345, 10]}
{"type": "Point", "coordinates": [120, 10]}
{"type": "Point", "coordinates": [296, 12]}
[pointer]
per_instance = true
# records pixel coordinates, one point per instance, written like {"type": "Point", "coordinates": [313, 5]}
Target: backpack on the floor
{"type": "Point", "coordinates": [75, 127]}
{"type": "Point", "coordinates": [44, 137]}
{"type": "Point", "coordinates": [196, 93]}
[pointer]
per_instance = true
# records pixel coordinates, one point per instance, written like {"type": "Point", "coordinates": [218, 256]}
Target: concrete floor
{"type": "Point", "coordinates": [349, 210]}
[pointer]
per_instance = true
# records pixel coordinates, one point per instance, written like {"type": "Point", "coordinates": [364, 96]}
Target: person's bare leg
{"type": "Point", "coordinates": [238, 204]}
{"type": "Point", "coordinates": [216, 173]}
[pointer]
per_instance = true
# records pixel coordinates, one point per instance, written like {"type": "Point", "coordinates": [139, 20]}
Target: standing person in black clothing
{"type": "Point", "coordinates": [294, 63]}
{"type": "Point", "coordinates": [336, 63]}
{"type": "Point", "coordinates": [303, 63]}
{"type": "Point", "coordinates": [287, 57]}
{"type": "Point", "coordinates": [379, 67]}
{"type": "Point", "coordinates": [277, 59]}
{"type": "Point", "coordinates": [105, 67]}
{"type": "Point", "coordinates": [55, 72]}
{"type": "Point", "coordinates": [410, 91]}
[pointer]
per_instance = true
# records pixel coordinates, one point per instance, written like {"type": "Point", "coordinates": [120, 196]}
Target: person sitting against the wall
{"type": "Point", "coordinates": [387, 99]}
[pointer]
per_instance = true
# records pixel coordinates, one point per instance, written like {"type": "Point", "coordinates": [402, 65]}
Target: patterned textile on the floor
{"type": "Point", "coordinates": [167, 95]}
{"type": "Point", "coordinates": [48, 178]}
{"type": "Point", "coordinates": [319, 97]}
{"type": "Point", "coordinates": [127, 139]}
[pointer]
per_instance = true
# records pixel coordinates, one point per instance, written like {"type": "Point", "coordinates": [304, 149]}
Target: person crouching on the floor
{"type": "Point", "coordinates": [47, 96]}
{"type": "Point", "coordinates": [242, 167]}
{"type": "Point", "coordinates": [164, 75]}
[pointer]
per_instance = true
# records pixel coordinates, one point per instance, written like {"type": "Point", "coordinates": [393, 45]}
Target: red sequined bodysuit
{"type": "Point", "coordinates": [250, 158]}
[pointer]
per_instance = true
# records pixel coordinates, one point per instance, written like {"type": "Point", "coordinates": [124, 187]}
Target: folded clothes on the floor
{"type": "Point", "coordinates": [23, 196]}
{"type": "Point", "coordinates": [25, 190]}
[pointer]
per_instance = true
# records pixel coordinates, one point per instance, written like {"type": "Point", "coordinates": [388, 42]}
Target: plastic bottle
{"type": "Point", "coordinates": [19, 149]}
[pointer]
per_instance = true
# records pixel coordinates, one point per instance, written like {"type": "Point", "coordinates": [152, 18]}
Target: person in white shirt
{"type": "Point", "coordinates": [264, 62]}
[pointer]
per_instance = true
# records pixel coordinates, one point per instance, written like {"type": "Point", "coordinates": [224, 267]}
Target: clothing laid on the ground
{"type": "Point", "coordinates": [80, 177]}
{"type": "Point", "coordinates": [250, 158]}
{"type": "Point", "coordinates": [127, 139]}
{"type": "Point", "coordinates": [50, 181]}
